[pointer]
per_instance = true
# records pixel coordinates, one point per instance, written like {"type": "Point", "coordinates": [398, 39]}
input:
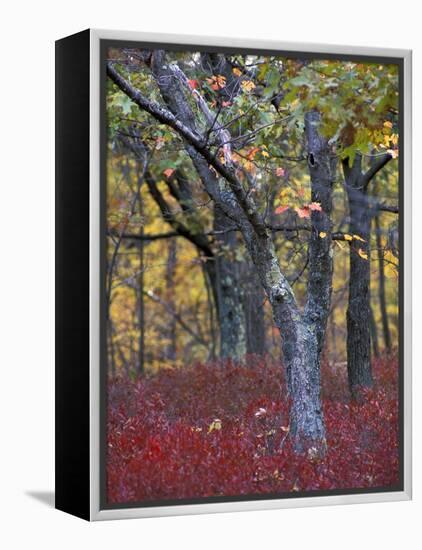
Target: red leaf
{"type": "Point", "coordinates": [169, 172]}
{"type": "Point", "coordinates": [280, 209]}
{"type": "Point", "coordinates": [304, 212]}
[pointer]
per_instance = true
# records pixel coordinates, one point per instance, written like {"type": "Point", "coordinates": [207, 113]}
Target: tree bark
{"type": "Point", "coordinates": [229, 291]}
{"type": "Point", "coordinates": [374, 334]}
{"type": "Point", "coordinates": [253, 304]}
{"type": "Point", "coordinates": [381, 287]}
{"type": "Point", "coordinates": [358, 311]}
{"type": "Point", "coordinates": [170, 347]}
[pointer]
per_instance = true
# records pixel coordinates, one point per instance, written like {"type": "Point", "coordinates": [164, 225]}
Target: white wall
{"type": "Point", "coordinates": [26, 244]}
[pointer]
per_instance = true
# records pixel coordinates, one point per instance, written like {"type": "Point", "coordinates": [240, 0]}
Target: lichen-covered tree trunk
{"type": "Point", "coordinates": [299, 345]}
{"type": "Point", "coordinates": [322, 167]}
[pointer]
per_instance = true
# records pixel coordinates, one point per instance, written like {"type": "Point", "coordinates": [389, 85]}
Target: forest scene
{"type": "Point", "coordinates": [251, 274]}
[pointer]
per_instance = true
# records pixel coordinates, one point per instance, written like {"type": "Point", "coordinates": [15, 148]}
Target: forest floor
{"type": "Point", "coordinates": [212, 430]}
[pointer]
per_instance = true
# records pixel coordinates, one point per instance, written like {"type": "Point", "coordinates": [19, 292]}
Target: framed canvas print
{"type": "Point", "coordinates": [233, 274]}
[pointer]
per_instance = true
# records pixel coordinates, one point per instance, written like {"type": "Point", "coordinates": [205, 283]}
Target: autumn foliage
{"type": "Point", "coordinates": [222, 429]}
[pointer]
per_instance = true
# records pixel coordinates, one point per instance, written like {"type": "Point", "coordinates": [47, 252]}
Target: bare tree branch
{"type": "Point", "coordinates": [197, 141]}
{"type": "Point", "coordinates": [377, 164]}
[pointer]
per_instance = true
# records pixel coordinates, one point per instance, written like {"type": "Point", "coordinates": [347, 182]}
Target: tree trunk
{"type": "Point", "coordinates": [381, 287]}
{"type": "Point", "coordinates": [170, 347]}
{"type": "Point", "coordinates": [140, 292]}
{"type": "Point", "coordinates": [253, 304]}
{"type": "Point", "coordinates": [374, 334]}
{"type": "Point", "coordinates": [358, 311]}
{"type": "Point", "coordinates": [229, 290]}
{"type": "Point", "coordinates": [299, 345]}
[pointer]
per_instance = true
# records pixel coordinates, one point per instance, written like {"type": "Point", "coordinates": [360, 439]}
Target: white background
{"type": "Point", "coordinates": [27, 272]}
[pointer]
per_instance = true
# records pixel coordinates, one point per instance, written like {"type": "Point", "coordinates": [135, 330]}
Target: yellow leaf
{"type": "Point", "coordinates": [388, 124]}
{"type": "Point", "coordinates": [265, 154]}
{"type": "Point", "coordinates": [237, 72]}
{"type": "Point", "coordinates": [322, 234]}
{"type": "Point", "coordinates": [247, 85]}
{"type": "Point", "coordinates": [348, 237]}
{"type": "Point", "coordinates": [362, 254]}
{"type": "Point", "coordinates": [390, 265]}
{"type": "Point", "coordinates": [358, 238]}
{"type": "Point", "coordinates": [393, 152]}
{"type": "Point", "coordinates": [215, 425]}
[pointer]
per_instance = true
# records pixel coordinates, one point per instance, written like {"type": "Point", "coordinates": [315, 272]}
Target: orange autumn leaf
{"type": "Point", "coordinates": [169, 172]}
{"type": "Point", "coordinates": [304, 212]}
{"type": "Point", "coordinates": [217, 82]}
{"type": "Point", "coordinates": [307, 209]}
{"type": "Point", "coordinates": [193, 84]}
{"type": "Point", "coordinates": [247, 85]}
{"type": "Point", "coordinates": [393, 152]}
{"type": "Point", "coordinates": [315, 206]}
{"type": "Point", "coordinates": [251, 154]}
{"type": "Point", "coordinates": [281, 209]}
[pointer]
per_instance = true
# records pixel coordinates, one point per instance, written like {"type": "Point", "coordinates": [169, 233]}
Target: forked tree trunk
{"type": "Point", "coordinates": [301, 336]}
{"type": "Point", "coordinates": [358, 310]}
